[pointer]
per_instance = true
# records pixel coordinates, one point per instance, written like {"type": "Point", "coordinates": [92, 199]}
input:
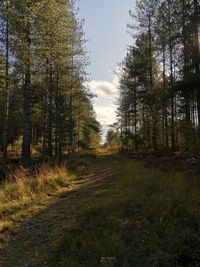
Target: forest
{"type": "Point", "coordinates": [73, 191]}
{"type": "Point", "coordinates": [42, 62]}
{"type": "Point", "coordinates": [159, 104]}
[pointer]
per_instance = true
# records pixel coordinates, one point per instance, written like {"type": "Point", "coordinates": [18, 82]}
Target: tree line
{"type": "Point", "coordinates": [43, 102]}
{"type": "Point", "coordinates": [159, 103]}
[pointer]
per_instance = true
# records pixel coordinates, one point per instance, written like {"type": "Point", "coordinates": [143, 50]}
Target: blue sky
{"type": "Point", "coordinates": [105, 28]}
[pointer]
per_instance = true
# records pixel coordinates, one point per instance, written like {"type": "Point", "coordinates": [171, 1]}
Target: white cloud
{"type": "Point", "coordinates": [105, 115]}
{"type": "Point", "coordinates": [105, 103]}
{"type": "Point", "coordinates": [106, 88]}
{"type": "Point", "coordinates": [102, 88]}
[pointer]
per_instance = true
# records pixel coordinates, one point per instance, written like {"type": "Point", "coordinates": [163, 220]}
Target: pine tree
{"type": "Point", "coordinates": [164, 63]}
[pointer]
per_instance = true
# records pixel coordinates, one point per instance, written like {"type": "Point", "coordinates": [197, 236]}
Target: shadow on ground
{"type": "Point", "coordinates": [32, 243]}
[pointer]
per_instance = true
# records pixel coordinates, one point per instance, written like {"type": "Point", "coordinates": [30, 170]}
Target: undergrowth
{"type": "Point", "coordinates": [23, 190]}
{"type": "Point", "coordinates": [146, 218]}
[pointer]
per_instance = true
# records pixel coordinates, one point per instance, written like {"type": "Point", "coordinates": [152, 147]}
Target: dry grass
{"type": "Point", "coordinates": [136, 216]}
{"type": "Point", "coordinates": [22, 191]}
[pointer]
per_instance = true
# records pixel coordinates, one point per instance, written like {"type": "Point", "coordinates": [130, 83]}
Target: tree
{"type": "Point", "coordinates": [160, 80]}
{"type": "Point", "coordinates": [44, 70]}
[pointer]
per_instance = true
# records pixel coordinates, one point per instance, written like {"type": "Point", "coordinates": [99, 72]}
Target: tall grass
{"type": "Point", "coordinates": [24, 189]}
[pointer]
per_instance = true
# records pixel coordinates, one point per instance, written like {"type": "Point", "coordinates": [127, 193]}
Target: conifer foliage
{"type": "Point", "coordinates": [159, 104]}
{"type": "Point", "coordinates": [43, 102]}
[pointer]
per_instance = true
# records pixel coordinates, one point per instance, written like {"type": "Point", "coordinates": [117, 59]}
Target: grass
{"type": "Point", "coordinates": [22, 192]}
{"type": "Point", "coordinates": [143, 217]}
{"type": "Point", "coordinates": [5, 226]}
{"type": "Point", "coordinates": [135, 217]}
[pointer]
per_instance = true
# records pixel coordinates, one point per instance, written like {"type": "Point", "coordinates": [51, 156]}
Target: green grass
{"type": "Point", "coordinates": [143, 217]}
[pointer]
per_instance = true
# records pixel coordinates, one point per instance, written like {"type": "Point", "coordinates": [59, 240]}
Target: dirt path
{"type": "Point", "coordinates": [32, 241]}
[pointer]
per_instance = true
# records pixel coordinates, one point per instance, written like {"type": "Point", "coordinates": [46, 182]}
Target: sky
{"type": "Point", "coordinates": [106, 31]}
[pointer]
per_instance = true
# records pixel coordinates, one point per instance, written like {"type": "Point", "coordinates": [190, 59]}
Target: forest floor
{"type": "Point", "coordinates": [122, 212]}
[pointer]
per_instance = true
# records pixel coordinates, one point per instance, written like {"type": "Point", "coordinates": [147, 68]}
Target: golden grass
{"type": "Point", "coordinates": [5, 225]}
{"type": "Point", "coordinates": [22, 191]}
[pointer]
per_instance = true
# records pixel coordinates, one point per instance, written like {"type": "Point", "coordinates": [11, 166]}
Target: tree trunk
{"type": "Point", "coordinates": [171, 84]}
{"type": "Point", "coordinates": [7, 101]}
{"type": "Point", "coordinates": [196, 59]}
{"type": "Point", "coordinates": [186, 92]}
{"type": "Point", "coordinates": [165, 115]}
{"type": "Point", "coordinates": [49, 111]}
{"type": "Point", "coordinates": [26, 143]}
{"type": "Point", "coordinates": [135, 116]}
